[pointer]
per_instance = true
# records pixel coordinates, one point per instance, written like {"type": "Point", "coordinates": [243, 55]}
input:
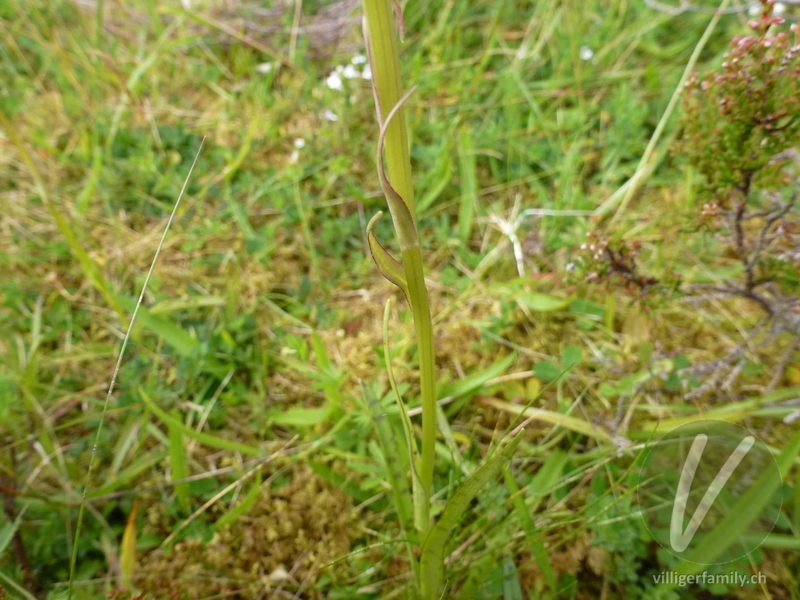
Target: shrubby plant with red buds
{"type": "Point", "coordinates": [614, 262]}
{"type": "Point", "coordinates": [739, 131]}
{"type": "Point", "coordinates": [739, 121]}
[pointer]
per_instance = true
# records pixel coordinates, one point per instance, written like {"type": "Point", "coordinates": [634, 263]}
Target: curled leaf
{"type": "Point", "coordinates": [404, 222]}
{"type": "Point", "coordinates": [391, 268]}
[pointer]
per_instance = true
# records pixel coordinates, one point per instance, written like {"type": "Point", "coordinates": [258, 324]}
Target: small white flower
{"type": "Point", "coordinates": [586, 53]}
{"type": "Point", "coordinates": [264, 68]}
{"type": "Point", "coordinates": [334, 81]}
{"type": "Point", "coordinates": [778, 9]}
{"type": "Point", "coordinates": [299, 143]}
{"type": "Point", "coordinates": [350, 72]}
{"type": "Point", "coordinates": [294, 156]}
{"type": "Point", "coordinates": [359, 59]}
{"type": "Point", "coordinates": [366, 73]}
{"type": "Point", "coordinates": [331, 116]}
{"type": "Point", "coordinates": [754, 10]}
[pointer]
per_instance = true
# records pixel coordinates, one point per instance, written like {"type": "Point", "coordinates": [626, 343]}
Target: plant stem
{"type": "Point", "coordinates": [381, 35]}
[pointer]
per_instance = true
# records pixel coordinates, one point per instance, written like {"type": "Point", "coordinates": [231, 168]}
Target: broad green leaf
{"type": "Point", "coordinates": [544, 302]}
{"type": "Point", "coordinates": [546, 371]}
{"type": "Point", "coordinates": [572, 356]}
{"type": "Point", "coordinates": [432, 559]}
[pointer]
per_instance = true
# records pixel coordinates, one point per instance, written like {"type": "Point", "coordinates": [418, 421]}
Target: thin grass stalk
{"type": "Point", "coordinates": [117, 366]}
{"type": "Point", "coordinates": [381, 29]}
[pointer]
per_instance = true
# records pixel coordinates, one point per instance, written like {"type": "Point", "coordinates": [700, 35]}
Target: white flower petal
{"type": "Point", "coordinates": [334, 81]}
{"type": "Point", "coordinates": [586, 53]}
{"type": "Point", "coordinates": [299, 143]}
{"type": "Point", "coordinates": [350, 72]}
{"type": "Point", "coordinates": [331, 116]}
{"type": "Point", "coordinates": [359, 59]}
{"type": "Point", "coordinates": [366, 73]}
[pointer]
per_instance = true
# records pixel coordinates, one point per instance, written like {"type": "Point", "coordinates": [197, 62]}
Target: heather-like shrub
{"type": "Point", "coordinates": [739, 121]}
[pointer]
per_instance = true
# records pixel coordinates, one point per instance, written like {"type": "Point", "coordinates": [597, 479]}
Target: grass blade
{"type": "Point", "coordinates": [89, 471]}
{"type": "Point", "coordinates": [529, 527]}
{"type": "Point", "coordinates": [432, 560]}
{"type": "Point", "coordinates": [469, 185]}
{"type": "Point", "coordinates": [242, 508]}
{"type": "Point", "coordinates": [748, 508]}
{"type": "Point", "coordinates": [203, 438]}
{"type": "Point", "coordinates": [177, 463]}
{"type": "Point", "coordinates": [392, 457]}
{"type": "Point", "coordinates": [127, 553]}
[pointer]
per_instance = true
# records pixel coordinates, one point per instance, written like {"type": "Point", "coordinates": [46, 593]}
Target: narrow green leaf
{"type": "Point", "coordinates": [554, 418]}
{"type": "Point", "coordinates": [476, 381]}
{"type": "Point", "coordinates": [748, 507]}
{"type": "Point", "coordinates": [242, 507]}
{"type": "Point", "coordinates": [432, 560]}
{"type": "Point", "coordinates": [529, 527]}
{"type": "Point", "coordinates": [175, 304]}
{"type": "Point", "coordinates": [8, 531]}
{"type": "Point", "coordinates": [397, 478]}
{"type": "Point", "coordinates": [203, 438]}
{"type": "Point", "coordinates": [176, 337]}
{"type": "Point", "coordinates": [340, 482]}
{"type": "Point", "coordinates": [512, 590]}
{"type": "Point", "coordinates": [420, 498]}
{"type": "Point", "coordinates": [177, 464]}
{"type": "Point", "coordinates": [302, 417]}
{"type": "Point", "coordinates": [546, 477]}
{"type": "Point", "coordinates": [469, 185]}
{"type": "Point", "coordinates": [443, 172]}
{"type": "Point", "coordinates": [127, 550]}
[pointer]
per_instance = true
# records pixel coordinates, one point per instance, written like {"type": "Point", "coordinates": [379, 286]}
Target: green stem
{"type": "Point", "coordinates": [382, 44]}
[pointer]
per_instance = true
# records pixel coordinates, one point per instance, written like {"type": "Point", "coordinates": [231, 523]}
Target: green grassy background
{"type": "Point", "coordinates": [264, 310]}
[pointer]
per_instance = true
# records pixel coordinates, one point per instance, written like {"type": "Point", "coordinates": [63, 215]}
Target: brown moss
{"type": "Point", "coordinates": [285, 539]}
